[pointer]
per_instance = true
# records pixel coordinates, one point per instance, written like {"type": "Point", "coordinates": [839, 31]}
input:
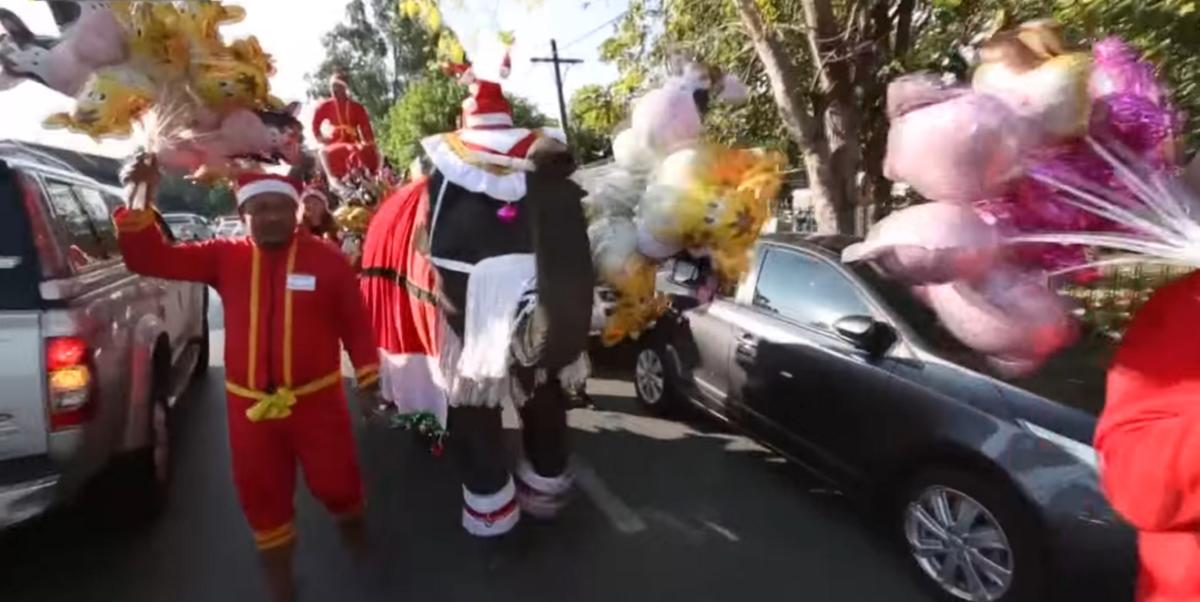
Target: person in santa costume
{"type": "Point", "coordinates": [291, 301]}
{"type": "Point", "coordinates": [1148, 440]}
{"type": "Point", "coordinates": [479, 281]}
{"type": "Point", "coordinates": [351, 143]}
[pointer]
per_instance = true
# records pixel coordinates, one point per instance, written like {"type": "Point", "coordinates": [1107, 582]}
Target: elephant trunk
{"type": "Point", "coordinates": [561, 323]}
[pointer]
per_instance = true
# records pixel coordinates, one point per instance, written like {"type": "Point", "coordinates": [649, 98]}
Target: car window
{"type": "Point", "coordinates": [806, 290]}
{"type": "Point", "coordinates": [82, 243]}
{"type": "Point", "coordinates": [97, 209]}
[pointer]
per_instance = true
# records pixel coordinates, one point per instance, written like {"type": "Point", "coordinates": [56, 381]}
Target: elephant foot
{"type": "Point", "coordinates": [491, 515]}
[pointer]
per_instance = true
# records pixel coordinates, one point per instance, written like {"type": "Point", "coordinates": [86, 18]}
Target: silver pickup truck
{"type": "Point", "coordinates": [92, 357]}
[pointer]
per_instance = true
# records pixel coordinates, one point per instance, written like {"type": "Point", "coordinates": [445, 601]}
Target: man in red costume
{"type": "Point", "coordinates": [352, 142]}
{"type": "Point", "coordinates": [1149, 442]}
{"type": "Point", "coordinates": [289, 300]}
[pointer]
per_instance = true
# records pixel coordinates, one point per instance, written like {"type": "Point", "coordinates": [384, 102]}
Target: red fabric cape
{"type": "Point", "coordinates": [398, 283]}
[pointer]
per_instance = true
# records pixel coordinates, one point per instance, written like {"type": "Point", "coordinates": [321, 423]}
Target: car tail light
{"type": "Point", "coordinates": [70, 382]}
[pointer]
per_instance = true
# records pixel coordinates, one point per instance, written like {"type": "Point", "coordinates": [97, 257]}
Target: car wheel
{"type": "Point", "coordinates": [653, 379]}
{"type": "Point", "coordinates": [971, 539]}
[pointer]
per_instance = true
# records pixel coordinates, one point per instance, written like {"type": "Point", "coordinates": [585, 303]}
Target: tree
{"type": "Point", "coordinates": [379, 66]}
{"type": "Point", "coordinates": [431, 105]}
{"type": "Point", "coordinates": [178, 195]}
{"type": "Point", "coordinates": [595, 114]}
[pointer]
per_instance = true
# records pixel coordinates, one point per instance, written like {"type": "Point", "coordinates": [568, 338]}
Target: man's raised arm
{"type": "Point", "coordinates": [145, 250]}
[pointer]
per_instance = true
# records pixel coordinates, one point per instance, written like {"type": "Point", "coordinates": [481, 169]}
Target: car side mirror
{"type": "Point", "coordinates": [867, 334]}
{"type": "Point", "coordinates": [685, 272]}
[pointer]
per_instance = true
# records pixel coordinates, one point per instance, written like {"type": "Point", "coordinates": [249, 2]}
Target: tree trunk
{"type": "Point", "coordinates": [828, 137]}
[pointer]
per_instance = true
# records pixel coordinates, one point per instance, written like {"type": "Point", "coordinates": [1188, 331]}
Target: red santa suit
{"type": "Point", "coordinates": [1149, 441]}
{"type": "Point", "coordinates": [286, 311]}
{"type": "Point", "coordinates": [352, 143]}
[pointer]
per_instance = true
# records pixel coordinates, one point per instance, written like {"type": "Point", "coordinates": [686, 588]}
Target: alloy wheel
{"type": "Point", "coordinates": [649, 376]}
{"type": "Point", "coordinates": [959, 544]}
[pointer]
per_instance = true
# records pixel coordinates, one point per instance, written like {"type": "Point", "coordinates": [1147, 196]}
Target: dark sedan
{"type": "Point", "coordinates": [992, 485]}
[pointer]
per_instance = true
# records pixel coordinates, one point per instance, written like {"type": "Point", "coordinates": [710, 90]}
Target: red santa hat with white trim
{"type": "Point", "coordinates": [253, 184]}
{"type": "Point", "coordinates": [486, 107]}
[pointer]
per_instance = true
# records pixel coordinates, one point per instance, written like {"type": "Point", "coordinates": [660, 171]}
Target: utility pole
{"type": "Point", "coordinates": [562, 102]}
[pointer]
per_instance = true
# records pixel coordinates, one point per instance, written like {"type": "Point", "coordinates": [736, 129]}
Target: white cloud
{"type": "Point", "coordinates": [291, 32]}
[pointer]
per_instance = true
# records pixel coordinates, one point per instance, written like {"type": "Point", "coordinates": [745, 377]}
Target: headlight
{"type": "Point", "coordinates": [1080, 451]}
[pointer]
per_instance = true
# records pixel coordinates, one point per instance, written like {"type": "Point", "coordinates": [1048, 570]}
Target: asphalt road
{"type": "Point", "coordinates": [665, 510]}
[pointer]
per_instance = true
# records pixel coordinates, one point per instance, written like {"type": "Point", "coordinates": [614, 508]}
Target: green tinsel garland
{"type": "Point", "coordinates": [424, 424]}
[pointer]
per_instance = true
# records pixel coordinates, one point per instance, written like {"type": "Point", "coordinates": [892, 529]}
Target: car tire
{"type": "Point", "coordinates": [654, 379]}
{"type": "Point", "coordinates": [955, 525]}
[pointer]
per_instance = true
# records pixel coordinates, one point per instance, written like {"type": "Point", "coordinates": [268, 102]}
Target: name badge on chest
{"type": "Point", "coordinates": [301, 282]}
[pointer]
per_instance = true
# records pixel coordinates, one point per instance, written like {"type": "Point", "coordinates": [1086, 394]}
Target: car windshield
{"type": "Point", "coordinates": [177, 219]}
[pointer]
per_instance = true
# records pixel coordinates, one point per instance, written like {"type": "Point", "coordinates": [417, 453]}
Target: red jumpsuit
{"type": "Point", "coordinates": [1149, 441]}
{"type": "Point", "coordinates": [285, 313]}
{"type": "Point", "coordinates": [351, 127]}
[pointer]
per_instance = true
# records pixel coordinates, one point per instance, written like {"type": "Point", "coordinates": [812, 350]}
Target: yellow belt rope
{"type": "Point", "coordinates": [278, 405]}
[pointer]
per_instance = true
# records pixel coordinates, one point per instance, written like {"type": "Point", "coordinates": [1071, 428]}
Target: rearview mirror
{"type": "Point", "coordinates": [866, 333]}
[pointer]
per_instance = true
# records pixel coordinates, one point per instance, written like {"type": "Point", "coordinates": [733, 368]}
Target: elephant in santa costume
{"type": "Point", "coordinates": [479, 280]}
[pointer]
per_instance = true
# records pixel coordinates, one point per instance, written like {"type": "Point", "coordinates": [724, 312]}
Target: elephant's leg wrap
{"type": "Point", "coordinates": [543, 473]}
{"type": "Point", "coordinates": [489, 502]}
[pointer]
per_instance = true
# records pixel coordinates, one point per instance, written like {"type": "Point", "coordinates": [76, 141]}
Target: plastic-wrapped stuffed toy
{"type": "Point", "coordinates": [224, 82]}
{"type": "Point", "coordinates": [1032, 70]}
{"type": "Point", "coordinates": [158, 45]}
{"type": "Point", "coordinates": [63, 64]}
{"type": "Point", "coordinates": [202, 20]}
{"type": "Point", "coordinates": [268, 137]}
{"type": "Point", "coordinates": [110, 102]}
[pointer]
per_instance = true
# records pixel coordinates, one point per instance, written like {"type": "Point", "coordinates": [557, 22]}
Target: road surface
{"type": "Point", "coordinates": [664, 511]}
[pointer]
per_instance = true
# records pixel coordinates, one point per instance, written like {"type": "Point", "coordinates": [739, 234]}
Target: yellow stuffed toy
{"type": "Point", "coordinates": [110, 102]}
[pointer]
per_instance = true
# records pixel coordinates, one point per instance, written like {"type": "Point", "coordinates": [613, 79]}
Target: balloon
{"type": "Point", "coordinates": [1007, 314]}
{"type": "Point", "coordinates": [929, 243]}
{"type": "Point", "coordinates": [94, 41]}
{"type": "Point", "coordinates": [111, 100]}
{"type": "Point", "coordinates": [960, 150]}
{"type": "Point", "coordinates": [1117, 69]}
{"type": "Point", "coordinates": [668, 118]}
{"type": "Point", "coordinates": [911, 92]}
{"type": "Point", "coordinates": [632, 153]}
{"type": "Point", "coordinates": [1054, 94]}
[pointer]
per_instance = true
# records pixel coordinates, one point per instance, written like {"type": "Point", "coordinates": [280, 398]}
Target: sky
{"type": "Point", "coordinates": [293, 37]}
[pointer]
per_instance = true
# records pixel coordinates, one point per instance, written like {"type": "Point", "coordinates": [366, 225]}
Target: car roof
{"type": "Point", "coordinates": [829, 245]}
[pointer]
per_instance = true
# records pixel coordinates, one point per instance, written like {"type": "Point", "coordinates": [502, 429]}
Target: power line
{"type": "Point", "coordinates": [602, 26]}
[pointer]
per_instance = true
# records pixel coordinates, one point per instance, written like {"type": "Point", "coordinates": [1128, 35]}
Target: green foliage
{"type": "Point", "coordinates": [595, 114]}
{"type": "Point", "coordinates": [432, 105]}
{"type": "Point", "coordinates": [178, 195]}
{"type": "Point", "coordinates": [379, 50]}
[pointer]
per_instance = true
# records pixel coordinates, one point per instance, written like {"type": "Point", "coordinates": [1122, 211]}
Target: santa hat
{"type": "Point", "coordinates": [317, 193]}
{"type": "Point", "coordinates": [253, 184]}
{"type": "Point", "coordinates": [486, 108]}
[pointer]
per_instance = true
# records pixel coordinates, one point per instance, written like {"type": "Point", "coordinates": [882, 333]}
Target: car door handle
{"type": "Point", "coordinates": [747, 349]}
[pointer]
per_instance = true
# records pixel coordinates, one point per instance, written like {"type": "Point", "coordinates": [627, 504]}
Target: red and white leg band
{"type": "Point", "coordinates": [491, 515]}
{"type": "Point", "coordinates": [542, 497]}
